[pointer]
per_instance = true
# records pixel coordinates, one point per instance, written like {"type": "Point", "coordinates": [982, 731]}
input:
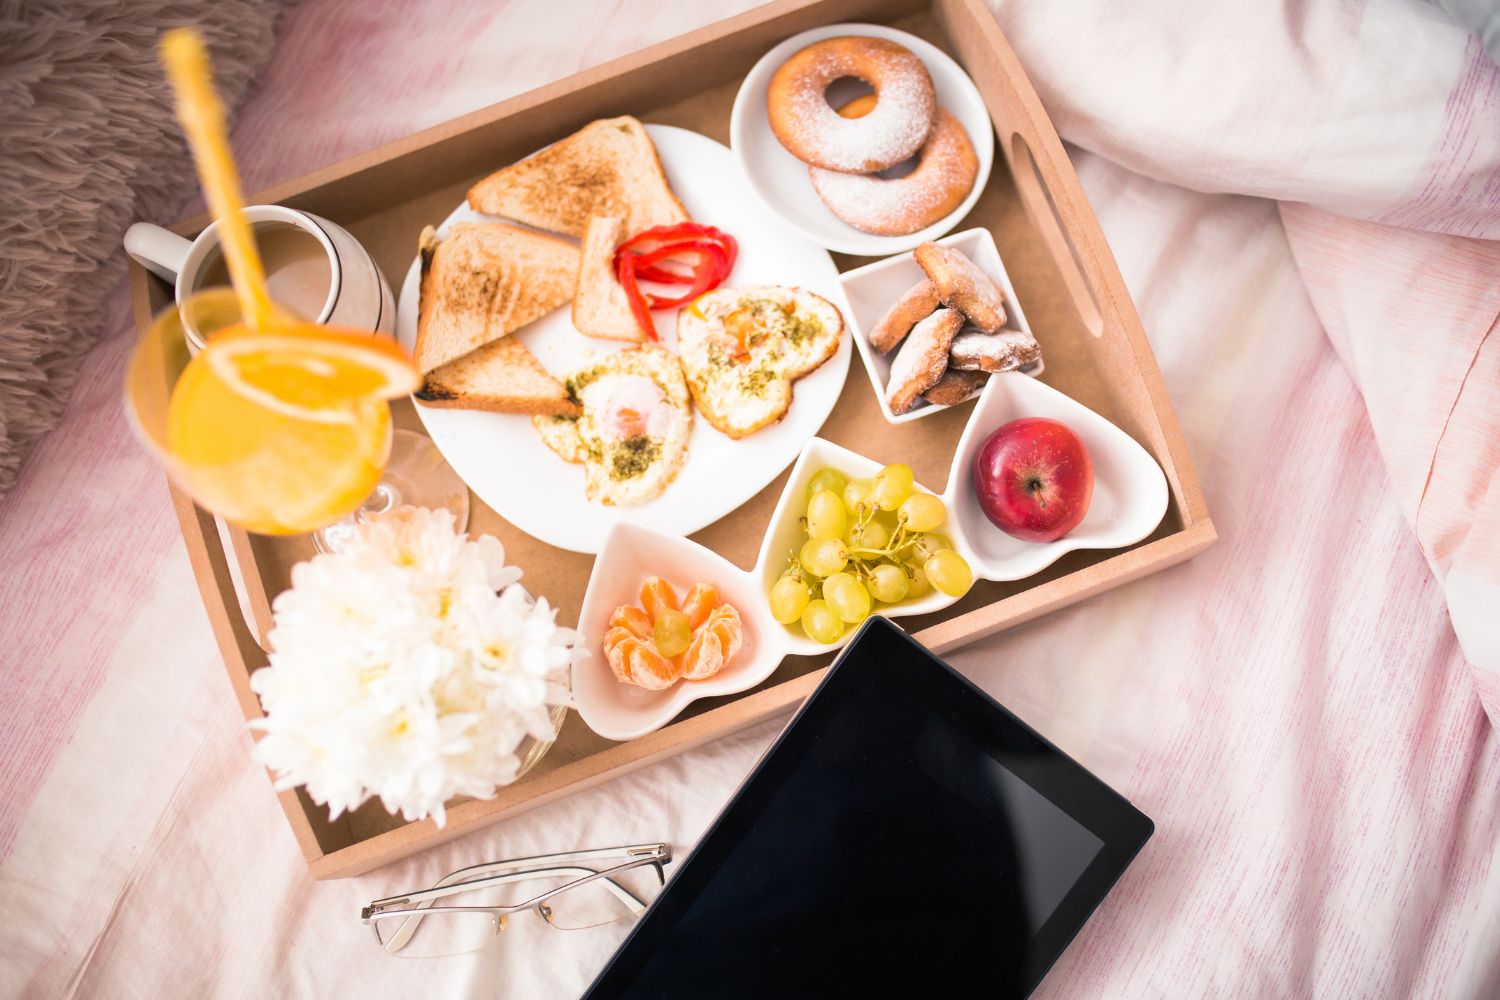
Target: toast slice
{"type": "Point", "coordinates": [502, 377]}
{"type": "Point", "coordinates": [609, 167]}
{"type": "Point", "coordinates": [600, 308]}
{"type": "Point", "coordinates": [484, 280]}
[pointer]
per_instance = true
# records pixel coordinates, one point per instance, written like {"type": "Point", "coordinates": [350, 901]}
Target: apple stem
{"type": "Point", "coordinates": [1037, 489]}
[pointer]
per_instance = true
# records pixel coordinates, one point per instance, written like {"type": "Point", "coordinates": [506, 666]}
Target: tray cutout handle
{"type": "Point", "coordinates": [1036, 196]}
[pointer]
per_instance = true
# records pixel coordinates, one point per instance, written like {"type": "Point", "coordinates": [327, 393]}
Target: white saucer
{"type": "Point", "coordinates": [781, 180]}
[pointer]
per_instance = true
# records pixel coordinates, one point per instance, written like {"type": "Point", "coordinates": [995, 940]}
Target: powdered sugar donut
{"type": "Point", "coordinates": [946, 169]}
{"type": "Point", "coordinates": [798, 109]}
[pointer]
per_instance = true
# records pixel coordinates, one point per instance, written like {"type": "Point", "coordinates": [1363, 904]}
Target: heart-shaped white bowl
{"type": "Point", "coordinates": [781, 180]}
{"type": "Point", "coordinates": [632, 552]}
{"type": "Point", "coordinates": [870, 290]}
{"type": "Point", "coordinates": [1130, 491]}
{"type": "Point", "coordinates": [785, 535]}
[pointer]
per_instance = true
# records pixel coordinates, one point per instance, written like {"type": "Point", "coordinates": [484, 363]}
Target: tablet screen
{"type": "Point", "coordinates": [905, 835]}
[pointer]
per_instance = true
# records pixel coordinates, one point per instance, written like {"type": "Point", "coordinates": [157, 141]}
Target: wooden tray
{"type": "Point", "coordinates": [1064, 276]}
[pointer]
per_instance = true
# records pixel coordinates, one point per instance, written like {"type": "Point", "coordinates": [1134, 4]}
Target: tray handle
{"type": "Point", "coordinates": [210, 560]}
{"type": "Point", "coordinates": [1043, 174]}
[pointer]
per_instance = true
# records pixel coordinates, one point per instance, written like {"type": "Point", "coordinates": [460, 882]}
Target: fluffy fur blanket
{"type": "Point", "coordinates": [88, 143]}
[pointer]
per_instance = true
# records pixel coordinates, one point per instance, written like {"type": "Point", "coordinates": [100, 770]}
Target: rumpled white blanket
{"type": "Point", "coordinates": [1293, 707]}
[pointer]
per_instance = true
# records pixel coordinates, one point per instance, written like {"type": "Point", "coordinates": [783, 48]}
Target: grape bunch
{"type": "Point", "coordinates": [869, 541]}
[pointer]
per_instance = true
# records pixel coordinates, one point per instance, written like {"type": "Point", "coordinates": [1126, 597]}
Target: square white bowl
{"type": "Point", "coordinates": [872, 289]}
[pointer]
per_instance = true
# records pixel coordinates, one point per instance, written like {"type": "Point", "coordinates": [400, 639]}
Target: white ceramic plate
{"type": "Point", "coordinates": [1129, 500]}
{"type": "Point", "coordinates": [502, 458]}
{"type": "Point", "coordinates": [870, 291]}
{"type": "Point", "coordinates": [781, 180]}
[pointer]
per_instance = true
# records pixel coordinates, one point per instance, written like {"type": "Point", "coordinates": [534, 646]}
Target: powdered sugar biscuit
{"type": "Point", "coordinates": [975, 350]}
{"type": "Point", "coordinates": [922, 359]}
{"type": "Point", "coordinates": [955, 387]}
{"type": "Point", "coordinates": [963, 286]}
{"type": "Point", "coordinates": [916, 304]}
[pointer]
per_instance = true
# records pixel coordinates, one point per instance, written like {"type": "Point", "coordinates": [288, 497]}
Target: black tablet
{"type": "Point", "coordinates": [904, 836]}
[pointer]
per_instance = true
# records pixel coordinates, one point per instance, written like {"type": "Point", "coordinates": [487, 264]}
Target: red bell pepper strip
{"type": "Point", "coordinates": [641, 258]}
{"type": "Point", "coordinates": [625, 273]}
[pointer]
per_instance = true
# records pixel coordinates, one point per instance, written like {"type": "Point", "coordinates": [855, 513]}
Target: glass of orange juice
{"type": "Point", "coordinates": [283, 431]}
{"type": "Point", "coordinates": [279, 425]}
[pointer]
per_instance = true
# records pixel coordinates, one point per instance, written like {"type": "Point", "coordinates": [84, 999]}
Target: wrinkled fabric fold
{"type": "Point", "coordinates": [1376, 127]}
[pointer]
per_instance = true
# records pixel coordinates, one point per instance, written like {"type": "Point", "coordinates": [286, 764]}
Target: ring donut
{"type": "Point", "coordinates": [809, 128]}
{"type": "Point", "coordinates": [946, 169]}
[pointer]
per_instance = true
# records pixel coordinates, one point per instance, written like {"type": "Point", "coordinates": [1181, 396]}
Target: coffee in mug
{"type": "Point", "coordinates": [299, 275]}
{"type": "Point", "coordinates": [314, 268]}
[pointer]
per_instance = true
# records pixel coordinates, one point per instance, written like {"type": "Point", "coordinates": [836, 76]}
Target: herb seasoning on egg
{"type": "Point", "coordinates": [634, 456]}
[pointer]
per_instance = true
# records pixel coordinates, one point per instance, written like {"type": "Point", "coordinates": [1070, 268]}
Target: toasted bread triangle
{"type": "Point", "coordinates": [600, 308]}
{"type": "Point", "coordinates": [503, 377]}
{"type": "Point", "coordinates": [609, 167]}
{"type": "Point", "coordinates": [484, 280]}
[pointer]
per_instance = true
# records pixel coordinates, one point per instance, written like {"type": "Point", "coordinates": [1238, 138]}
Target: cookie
{"type": "Point", "coordinates": [922, 359]}
{"type": "Point", "coordinates": [963, 286]}
{"type": "Point", "coordinates": [973, 350]}
{"type": "Point", "coordinates": [915, 305]}
{"type": "Point", "coordinates": [955, 387]}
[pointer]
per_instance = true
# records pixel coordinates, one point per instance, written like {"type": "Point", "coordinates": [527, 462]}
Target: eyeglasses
{"type": "Point", "coordinates": [568, 891]}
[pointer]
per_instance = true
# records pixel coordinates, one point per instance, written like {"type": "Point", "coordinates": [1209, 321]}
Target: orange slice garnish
{"type": "Point", "coordinates": [312, 374]}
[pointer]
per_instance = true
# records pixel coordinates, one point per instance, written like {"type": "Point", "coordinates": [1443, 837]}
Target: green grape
{"type": "Point", "coordinates": [922, 512]}
{"type": "Point", "coordinates": [872, 536]}
{"type": "Point", "coordinates": [948, 572]}
{"type": "Point", "coordinates": [847, 597]}
{"type": "Point", "coordinates": [831, 480]}
{"type": "Point", "coordinates": [672, 633]}
{"type": "Point", "coordinates": [820, 623]}
{"type": "Point", "coordinates": [918, 585]}
{"type": "Point", "coordinates": [823, 556]}
{"type": "Point", "coordinates": [927, 545]}
{"type": "Point", "coordinates": [788, 599]}
{"type": "Point", "coordinates": [893, 484]}
{"type": "Point", "coordinates": [857, 494]}
{"type": "Point", "coordinates": [888, 583]}
{"type": "Point", "coordinates": [825, 515]}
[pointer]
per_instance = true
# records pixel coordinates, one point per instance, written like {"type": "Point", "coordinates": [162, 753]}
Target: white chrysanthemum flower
{"type": "Point", "coordinates": [410, 667]}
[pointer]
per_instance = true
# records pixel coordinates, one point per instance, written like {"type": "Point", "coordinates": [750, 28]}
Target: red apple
{"type": "Point", "coordinates": [1034, 479]}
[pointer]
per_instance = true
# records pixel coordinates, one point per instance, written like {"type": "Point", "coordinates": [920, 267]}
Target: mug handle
{"type": "Point", "coordinates": [159, 251]}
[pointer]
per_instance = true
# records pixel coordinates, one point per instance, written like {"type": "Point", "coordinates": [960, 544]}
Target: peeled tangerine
{"type": "Point", "coordinates": [632, 644]}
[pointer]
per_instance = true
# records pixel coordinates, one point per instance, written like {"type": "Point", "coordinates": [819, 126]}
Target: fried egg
{"type": "Point", "coordinates": [631, 436]}
{"type": "Point", "coordinates": [742, 348]}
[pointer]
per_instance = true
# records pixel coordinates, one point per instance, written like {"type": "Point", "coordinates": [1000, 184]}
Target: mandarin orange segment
{"type": "Point", "coordinates": [704, 658]}
{"type": "Point", "coordinates": [699, 602]}
{"type": "Point", "coordinates": [715, 644]}
{"type": "Point", "coordinates": [651, 670]}
{"type": "Point", "coordinates": [630, 617]}
{"type": "Point", "coordinates": [657, 596]}
{"type": "Point", "coordinates": [618, 644]}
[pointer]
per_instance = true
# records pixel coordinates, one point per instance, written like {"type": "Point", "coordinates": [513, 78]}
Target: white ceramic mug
{"type": "Point", "coordinates": [358, 295]}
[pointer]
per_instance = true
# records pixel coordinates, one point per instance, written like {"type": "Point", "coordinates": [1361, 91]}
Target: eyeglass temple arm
{"type": "Point", "coordinates": [662, 851]}
{"type": "Point", "coordinates": [425, 900]}
{"type": "Point", "coordinates": [465, 878]}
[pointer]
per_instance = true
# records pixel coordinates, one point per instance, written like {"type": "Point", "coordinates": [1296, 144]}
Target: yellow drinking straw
{"type": "Point", "coordinates": [202, 117]}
